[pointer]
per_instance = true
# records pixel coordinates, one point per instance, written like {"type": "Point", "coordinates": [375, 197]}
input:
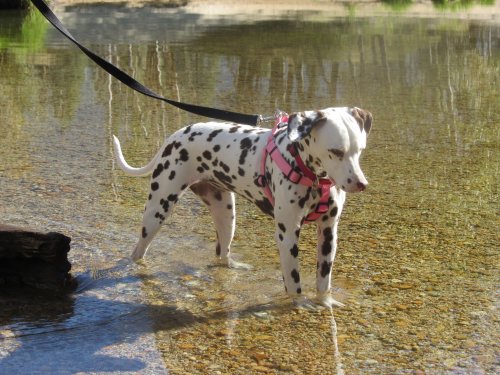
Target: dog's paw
{"type": "Point", "coordinates": [328, 301]}
{"type": "Point", "coordinates": [137, 255]}
{"type": "Point", "coordinates": [302, 302]}
{"type": "Point", "coordinates": [231, 263]}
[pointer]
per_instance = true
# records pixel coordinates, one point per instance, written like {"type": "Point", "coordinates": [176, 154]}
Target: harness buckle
{"type": "Point", "coordinates": [293, 176]}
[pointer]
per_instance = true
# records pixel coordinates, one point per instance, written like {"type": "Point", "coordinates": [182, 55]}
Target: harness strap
{"type": "Point", "coordinates": [306, 178]}
{"type": "Point", "coordinates": [119, 74]}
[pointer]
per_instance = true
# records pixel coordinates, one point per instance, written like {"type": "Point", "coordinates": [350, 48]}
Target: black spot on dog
{"type": "Point", "coordinates": [294, 251]}
{"type": "Point", "coordinates": [218, 195]}
{"type": "Point", "coordinates": [150, 196]}
{"type": "Point", "coordinates": [265, 206]}
{"type": "Point", "coordinates": [282, 227]}
{"type": "Point", "coordinates": [326, 247]}
{"type": "Point", "coordinates": [213, 134]}
{"type": "Point", "coordinates": [144, 233]}
{"type": "Point", "coordinates": [154, 186]}
{"type": "Point", "coordinates": [303, 200]}
{"type": "Point", "coordinates": [164, 204]}
{"type": "Point", "coordinates": [216, 148]}
{"type": "Point", "coordinates": [188, 129]}
{"type": "Point", "coordinates": [207, 155]}
{"type": "Point", "coordinates": [172, 198]}
{"type": "Point", "coordinates": [205, 166]}
{"type": "Point", "coordinates": [225, 167]}
{"type": "Point", "coordinates": [222, 177]}
{"type": "Point", "coordinates": [184, 155]}
{"type": "Point", "coordinates": [171, 176]}
{"type": "Point", "coordinates": [229, 206]}
{"type": "Point", "coordinates": [158, 170]}
{"type": "Point", "coordinates": [234, 129]}
{"type": "Point", "coordinates": [295, 275]}
{"type": "Point", "coordinates": [168, 150]}
{"type": "Point", "coordinates": [334, 211]}
{"type": "Point", "coordinates": [325, 268]}
{"type": "Point", "coordinates": [200, 169]}
{"type": "Point", "coordinates": [166, 165]}
{"type": "Point", "coordinates": [299, 290]}
{"type": "Point", "coordinates": [241, 171]}
{"type": "Point", "coordinates": [217, 249]}
{"type": "Point", "coordinates": [193, 136]}
{"type": "Point", "coordinates": [243, 156]}
{"type": "Point", "coordinates": [280, 236]}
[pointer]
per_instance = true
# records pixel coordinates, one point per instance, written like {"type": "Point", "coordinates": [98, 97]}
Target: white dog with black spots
{"type": "Point", "coordinates": [218, 160]}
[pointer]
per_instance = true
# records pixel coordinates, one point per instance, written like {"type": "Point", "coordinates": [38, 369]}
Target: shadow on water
{"type": "Point", "coordinates": [86, 331]}
{"type": "Point", "coordinates": [45, 334]}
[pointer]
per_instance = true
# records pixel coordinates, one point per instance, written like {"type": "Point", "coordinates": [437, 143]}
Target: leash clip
{"type": "Point", "coordinates": [261, 120]}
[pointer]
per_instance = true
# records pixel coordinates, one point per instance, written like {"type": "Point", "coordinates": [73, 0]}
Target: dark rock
{"type": "Point", "coordinates": [34, 259]}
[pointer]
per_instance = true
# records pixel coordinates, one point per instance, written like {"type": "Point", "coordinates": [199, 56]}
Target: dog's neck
{"type": "Point", "coordinates": [314, 164]}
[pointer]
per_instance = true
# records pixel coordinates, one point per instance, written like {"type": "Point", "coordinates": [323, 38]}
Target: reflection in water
{"type": "Point", "coordinates": [417, 252]}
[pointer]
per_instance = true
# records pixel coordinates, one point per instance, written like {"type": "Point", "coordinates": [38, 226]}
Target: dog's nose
{"type": "Point", "coordinates": [361, 186]}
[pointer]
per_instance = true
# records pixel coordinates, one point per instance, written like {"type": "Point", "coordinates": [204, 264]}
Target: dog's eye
{"type": "Point", "coordinates": [338, 153]}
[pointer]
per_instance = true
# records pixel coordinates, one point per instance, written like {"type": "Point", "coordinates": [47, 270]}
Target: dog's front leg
{"type": "Point", "coordinates": [287, 235]}
{"type": "Point", "coordinates": [327, 248]}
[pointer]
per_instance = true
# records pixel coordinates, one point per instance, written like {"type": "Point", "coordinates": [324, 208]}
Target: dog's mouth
{"type": "Point", "coordinates": [357, 188]}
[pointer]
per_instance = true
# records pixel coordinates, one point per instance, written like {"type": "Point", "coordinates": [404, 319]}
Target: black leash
{"type": "Point", "coordinates": [219, 114]}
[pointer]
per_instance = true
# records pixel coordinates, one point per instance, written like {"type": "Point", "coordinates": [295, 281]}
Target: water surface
{"type": "Point", "coordinates": [418, 251]}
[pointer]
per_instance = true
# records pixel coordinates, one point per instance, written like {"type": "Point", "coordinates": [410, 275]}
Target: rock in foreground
{"type": "Point", "coordinates": [34, 259]}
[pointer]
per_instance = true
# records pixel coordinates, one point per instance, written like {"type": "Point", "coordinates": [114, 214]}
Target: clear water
{"type": "Point", "coordinates": [417, 265]}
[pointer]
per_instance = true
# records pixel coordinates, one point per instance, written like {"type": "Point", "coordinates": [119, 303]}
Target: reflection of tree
{"type": "Point", "coordinates": [36, 82]}
{"type": "Point", "coordinates": [295, 65]}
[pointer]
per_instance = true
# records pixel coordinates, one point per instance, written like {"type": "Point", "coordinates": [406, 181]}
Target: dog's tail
{"type": "Point", "coordinates": [132, 171]}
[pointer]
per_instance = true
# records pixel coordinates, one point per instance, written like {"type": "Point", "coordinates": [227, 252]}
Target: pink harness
{"type": "Point", "coordinates": [306, 177]}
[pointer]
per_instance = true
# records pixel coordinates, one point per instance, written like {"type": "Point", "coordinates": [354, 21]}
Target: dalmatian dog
{"type": "Point", "coordinates": [218, 160]}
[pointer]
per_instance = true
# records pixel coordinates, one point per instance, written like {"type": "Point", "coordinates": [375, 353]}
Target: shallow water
{"type": "Point", "coordinates": [418, 252]}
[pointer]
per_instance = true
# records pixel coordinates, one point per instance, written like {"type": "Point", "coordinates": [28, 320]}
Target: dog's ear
{"type": "Point", "coordinates": [364, 118]}
{"type": "Point", "coordinates": [300, 124]}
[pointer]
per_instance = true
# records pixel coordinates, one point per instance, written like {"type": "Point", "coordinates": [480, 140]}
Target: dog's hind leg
{"type": "Point", "coordinates": [221, 205]}
{"type": "Point", "coordinates": [162, 198]}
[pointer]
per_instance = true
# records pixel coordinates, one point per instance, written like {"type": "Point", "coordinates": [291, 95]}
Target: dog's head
{"type": "Point", "coordinates": [331, 141]}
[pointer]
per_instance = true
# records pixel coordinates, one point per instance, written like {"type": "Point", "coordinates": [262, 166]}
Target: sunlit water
{"type": "Point", "coordinates": [417, 265]}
